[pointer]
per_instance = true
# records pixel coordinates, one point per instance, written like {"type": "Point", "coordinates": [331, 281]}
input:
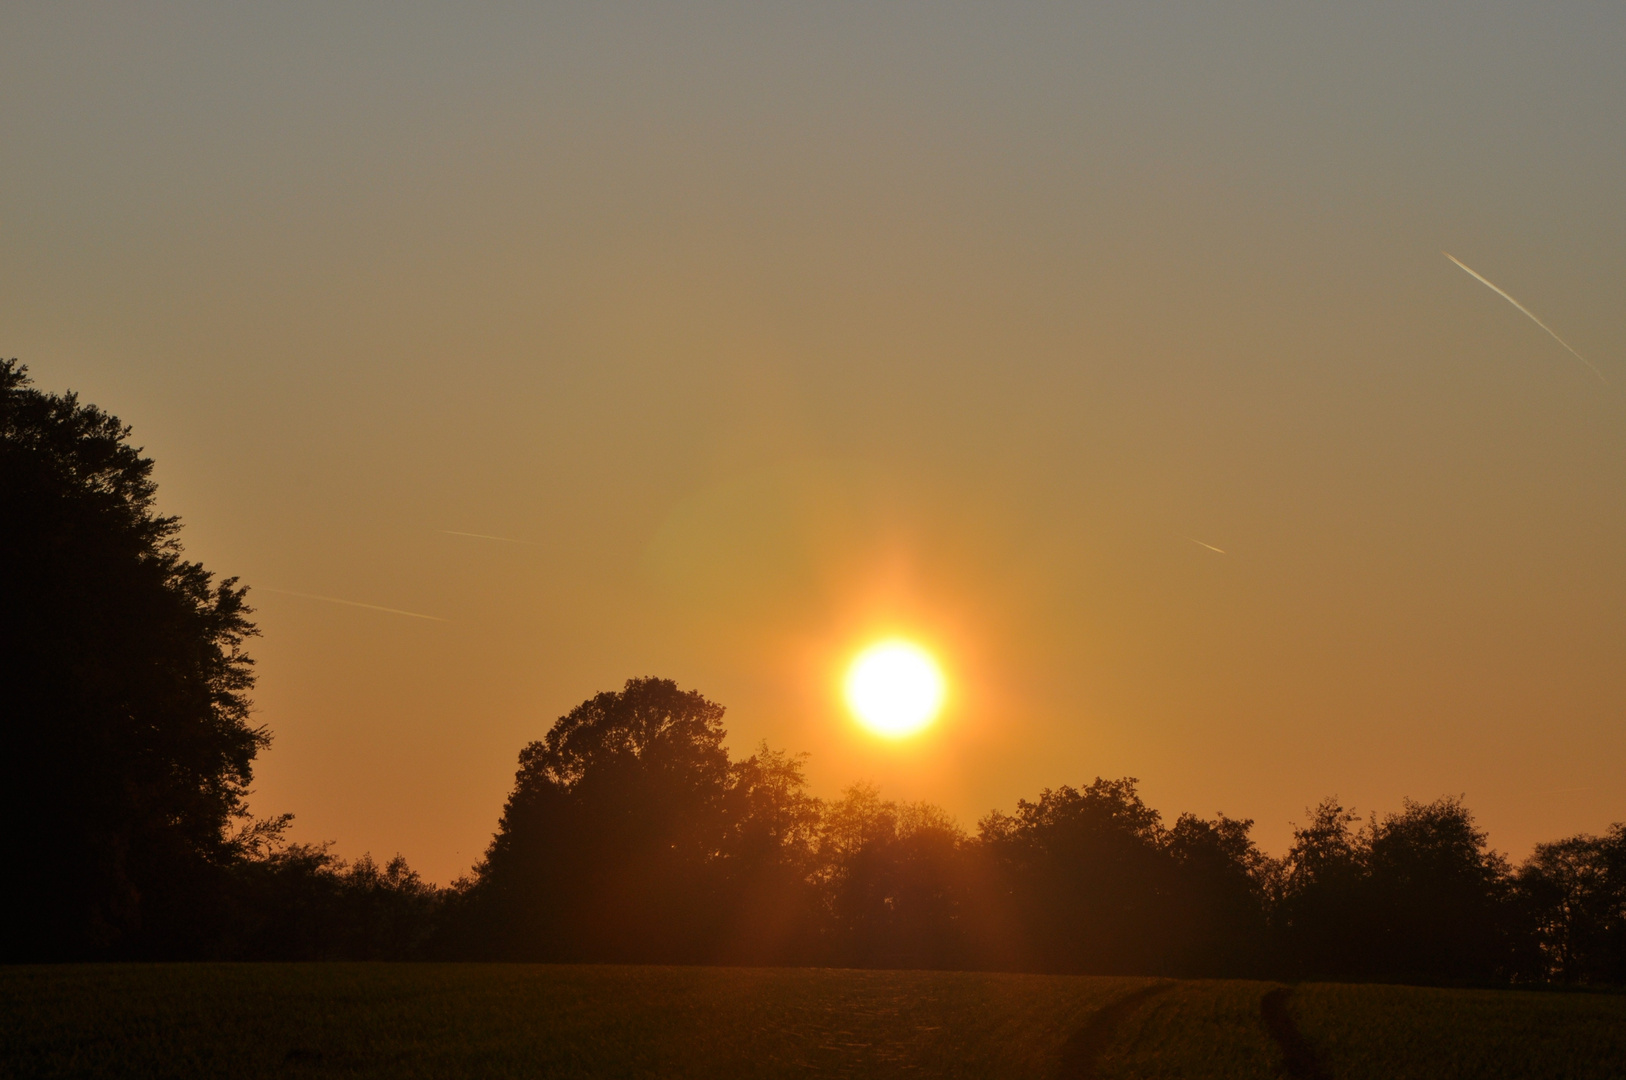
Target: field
{"type": "Point", "coordinates": [359, 1020]}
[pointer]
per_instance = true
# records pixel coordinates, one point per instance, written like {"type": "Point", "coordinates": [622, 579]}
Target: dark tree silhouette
{"type": "Point", "coordinates": [608, 847]}
{"type": "Point", "coordinates": [1573, 895]}
{"type": "Point", "coordinates": [896, 884]}
{"type": "Point", "coordinates": [125, 741]}
{"type": "Point", "coordinates": [1417, 896]}
{"type": "Point", "coordinates": [1217, 924]}
{"type": "Point", "coordinates": [126, 748]}
{"type": "Point", "coordinates": [768, 912]}
{"type": "Point", "coordinates": [1323, 914]}
{"type": "Point", "coordinates": [1442, 894]}
{"type": "Point", "coordinates": [304, 903]}
{"type": "Point", "coordinates": [1087, 878]}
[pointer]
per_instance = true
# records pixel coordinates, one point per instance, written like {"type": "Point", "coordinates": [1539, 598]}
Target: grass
{"type": "Point", "coordinates": [1202, 1029]}
{"type": "Point", "coordinates": [456, 1020]}
{"type": "Point", "coordinates": [1406, 1032]}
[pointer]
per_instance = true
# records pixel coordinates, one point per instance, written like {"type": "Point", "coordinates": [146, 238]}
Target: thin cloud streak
{"type": "Point", "coordinates": [352, 603]}
{"type": "Point", "coordinates": [1527, 311]}
{"type": "Point", "coordinates": [1210, 547]}
{"type": "Point", "coordinates": [483, 536]}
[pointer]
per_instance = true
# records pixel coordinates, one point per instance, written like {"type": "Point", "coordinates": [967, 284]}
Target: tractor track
{"type": "Point", "coordinates": [1299, 1059]}
{"type": "Point", "coordinates": [1081, 1054]}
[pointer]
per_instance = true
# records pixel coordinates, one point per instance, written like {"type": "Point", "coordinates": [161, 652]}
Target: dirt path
{"type": "Point", "coordinates": [1082, 1053]}
{"type": "Point", "coordinates": [1298, 1057]}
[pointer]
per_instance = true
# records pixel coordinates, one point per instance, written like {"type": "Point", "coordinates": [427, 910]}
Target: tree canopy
{"type": "Point", "coordinates": [607, 846]}
{"type": "Point", "coordinates": [126, 744]}
{"type": "Point", "coordinates": [126, 750]}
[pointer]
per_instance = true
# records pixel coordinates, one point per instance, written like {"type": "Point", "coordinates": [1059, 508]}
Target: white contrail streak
{"type": "Point", "coordinates": [351, 603]}
{"type": "Point", "coordinates": [483, 536]}
{"type": "Point", "coordinates": [1526, 310]}
{"type": "Point", "coordinates": [1210, 547]}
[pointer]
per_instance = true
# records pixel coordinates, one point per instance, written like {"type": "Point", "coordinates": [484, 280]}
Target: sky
{"type": "Point", "coordinates": [760, 331]}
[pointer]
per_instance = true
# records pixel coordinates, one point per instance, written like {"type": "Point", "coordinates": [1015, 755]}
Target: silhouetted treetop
{"type": "Point", "coordinates": [1104, 808]}
{"type": "Point", "coordinates": [769, 809]}
{"type": "Point", "coordinates": [650, 722]}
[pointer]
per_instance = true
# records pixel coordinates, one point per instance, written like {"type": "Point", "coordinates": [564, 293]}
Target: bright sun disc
{"type": "Point", "coordinates": [894, 688]}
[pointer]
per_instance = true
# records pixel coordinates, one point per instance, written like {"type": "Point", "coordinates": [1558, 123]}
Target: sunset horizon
{"type": "Point", "coordinates": [1131, 493]}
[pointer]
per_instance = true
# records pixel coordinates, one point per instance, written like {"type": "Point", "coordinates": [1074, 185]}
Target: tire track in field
{"type": "Point", "coordinates": [1081, 1054]}
{"type": "Point", "coordinates": [1299, 1059]}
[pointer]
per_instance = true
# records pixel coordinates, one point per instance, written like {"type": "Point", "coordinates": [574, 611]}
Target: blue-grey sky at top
{"type": "Point", "coordinates": [772, 327]}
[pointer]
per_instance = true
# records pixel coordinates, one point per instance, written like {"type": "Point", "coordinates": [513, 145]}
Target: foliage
{"type": "Point", "coordinates": [766, 912]}
{"type": "Point", "coordinates": [125, 745]}
{"type": "Point", "coordinates": [1094, 882]}
{"type": "Point", "coordinates": [126, 750]}
{"type": "Point", "coordinates": [893, 884]}
{"type": "Point", "coordinates": [1416, 896]}
{"type": "Point", "coordinates": [631, 837]}
{"type": "Point", "coordinates": [1573, 893]}
{"type": "Point", "coordinates": [608, 847]}
{"type": "Point", "coordinates": [304, 903]}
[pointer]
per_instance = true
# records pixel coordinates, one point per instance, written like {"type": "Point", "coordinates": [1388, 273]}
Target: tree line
{"type": "Point", "coordinates": [632, 835]}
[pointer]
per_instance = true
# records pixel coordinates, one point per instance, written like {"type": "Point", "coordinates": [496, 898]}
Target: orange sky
{"type": "Point", "coordinates": [770, 331]}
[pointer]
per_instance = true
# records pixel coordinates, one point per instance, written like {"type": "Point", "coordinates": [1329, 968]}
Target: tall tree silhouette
{"type": "Point", "coordinates": [125, 741]}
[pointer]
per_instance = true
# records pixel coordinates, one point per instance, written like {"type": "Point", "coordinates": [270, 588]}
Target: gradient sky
{"type": "Point", "coordinates": [770, 328]}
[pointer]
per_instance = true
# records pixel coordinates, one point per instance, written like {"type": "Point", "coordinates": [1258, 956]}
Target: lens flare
{"type": "Point", "coordinates": [895, 688]}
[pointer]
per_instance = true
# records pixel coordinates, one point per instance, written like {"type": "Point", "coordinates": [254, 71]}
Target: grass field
{"type": "Point", "coordinates": [1412, 1033]}
{"type": "Point", "coordinates": [360, 1020]}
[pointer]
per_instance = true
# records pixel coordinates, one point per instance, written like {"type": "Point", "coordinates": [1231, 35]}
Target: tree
{"type": "Point", "coordinates": [1573, 894]}
{"type": "Point", "coordinates": [302, 902]}
{"type": "Point", "coordinates": [1416, 896]}
{"type": "Point", "coordinates": [1221, 889]}
{"type": "Point", "coordinates": [609, 845]}
{"type": "Point", "coordinates": [1323, 911]}
{"type": "Point", "coordinates": [769, 861]}
{"type": "Point", "coordinates": [125, 741]}
{"type": "Point", "coordinates": [896, 884]}
{"type": "Point", "coordinates": [1443, 895]}
{"type": "Point", "coordinates": [1087, 878]}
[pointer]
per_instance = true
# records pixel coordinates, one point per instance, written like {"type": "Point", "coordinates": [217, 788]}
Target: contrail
{"type": "Point", "coordinates": [351, 603]}
{"type": "Point", "coordinates": [1210, 547]}
{"type": "Point", "coordinates": [1527, 311]}
{"type": "Point", "coordinates": [483, 536]}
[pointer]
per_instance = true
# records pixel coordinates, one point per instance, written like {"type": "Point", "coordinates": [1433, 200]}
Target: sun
{"type": "Point", "coordinates": [895, 688]}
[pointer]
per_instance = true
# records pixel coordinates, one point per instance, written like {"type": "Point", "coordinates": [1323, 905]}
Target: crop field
{"type": "Point", "coordinates": [456, 1020]}
{"type": "Point", "coordinates": [1412, 1032]}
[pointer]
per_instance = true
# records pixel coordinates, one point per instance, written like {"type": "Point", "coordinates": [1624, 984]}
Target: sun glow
{"type": "Point", "coordinates": [895, 688]}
